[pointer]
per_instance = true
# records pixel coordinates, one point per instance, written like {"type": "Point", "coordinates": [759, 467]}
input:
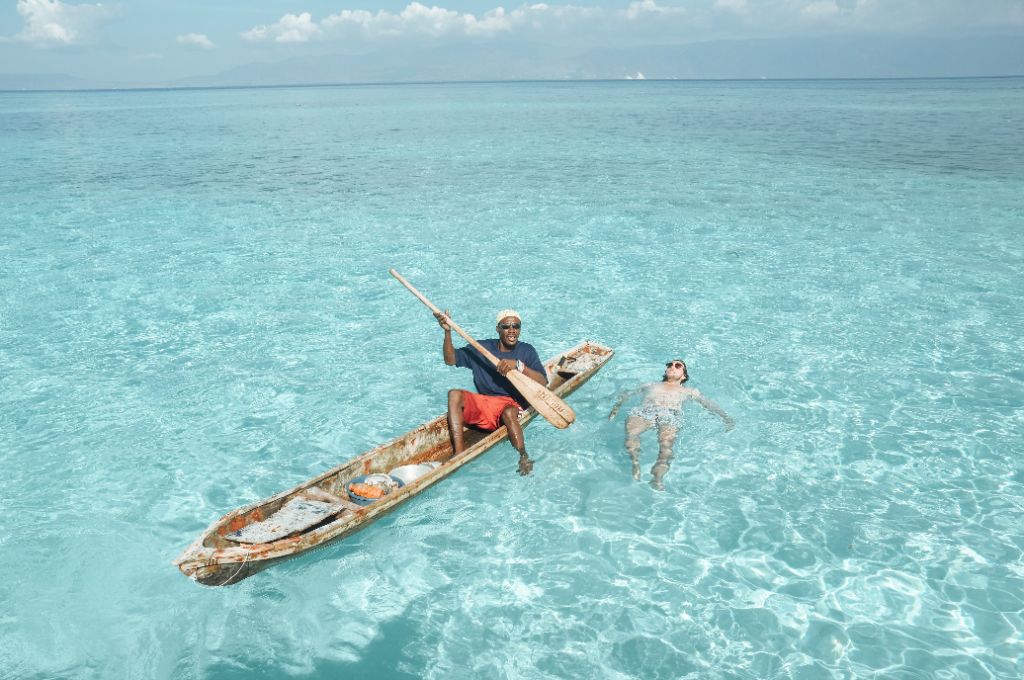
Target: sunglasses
{"type": "Point", "coordinates": [506, 326]}
{"type": "Point", "coordinates": [675, 364]}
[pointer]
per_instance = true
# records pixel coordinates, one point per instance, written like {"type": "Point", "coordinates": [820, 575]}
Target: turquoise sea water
{"type": "Point", "coordinates": [195, 313]}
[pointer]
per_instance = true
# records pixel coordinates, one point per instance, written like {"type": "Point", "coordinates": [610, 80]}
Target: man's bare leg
{"type": "Point", "coordinates": [510, 417]}
{"type": "Point", "coordinates": [456, 406]}
{"type": "Point", "coordinates": [634, 428]}
{"type": "Point", "coordinates": [666, 440]}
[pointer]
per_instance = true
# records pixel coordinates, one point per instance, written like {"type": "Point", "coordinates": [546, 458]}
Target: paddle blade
{"type": "Point", "coordinates": [554, 410]}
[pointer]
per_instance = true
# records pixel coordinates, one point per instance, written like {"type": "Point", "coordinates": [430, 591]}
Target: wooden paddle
{"type": "Point", "coordinates": [554, 410]}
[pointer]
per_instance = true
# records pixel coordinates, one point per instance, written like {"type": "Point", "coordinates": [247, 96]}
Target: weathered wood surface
{"type": "Point", "coordinates": [214, 559]}
{"type": "Point", "coordinates": [296, 515]}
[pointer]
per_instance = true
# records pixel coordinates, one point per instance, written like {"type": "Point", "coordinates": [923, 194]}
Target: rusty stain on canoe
{"type": "Point", "coordinates": [214, 560]}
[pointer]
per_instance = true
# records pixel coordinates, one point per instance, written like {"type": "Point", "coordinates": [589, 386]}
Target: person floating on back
{"type": "Point", "coordinates": [662, 408]}
{"type": "Point", "coordinates": [498, 402]}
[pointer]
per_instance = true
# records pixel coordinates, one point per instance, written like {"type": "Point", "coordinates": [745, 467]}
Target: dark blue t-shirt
{"type": "Point", "coordinates": [486, 377]}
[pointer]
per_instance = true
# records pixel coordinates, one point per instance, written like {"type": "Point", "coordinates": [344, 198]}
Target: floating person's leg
{"type": "Point", "coordinates": [510, 417]}
{"type": "Point", "coordinates": [634, 428]}
{"type": "Point", "coordinates": [666, 440]}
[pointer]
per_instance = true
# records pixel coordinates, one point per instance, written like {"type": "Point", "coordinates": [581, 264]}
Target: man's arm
{"type": "Point", "coordinates": [449, 348]}
{"type": "Point", "coordinates": [537, 376]}
{"type": "Point", "coordinates": [531, 367]}
{"type": "Point", "coordinates": [714, 408]}
{"type": "Point", "coordinates": [506, 365]}
{"type": "Point", "coordinates": [622, 400]}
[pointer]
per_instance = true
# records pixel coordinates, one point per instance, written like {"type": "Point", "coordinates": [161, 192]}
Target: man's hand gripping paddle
{"type": "Point", "coordinates": [554, 410]}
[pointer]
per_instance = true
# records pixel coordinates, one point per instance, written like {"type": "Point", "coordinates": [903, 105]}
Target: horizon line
{"type": "Point", "coordinates": [763, 79]}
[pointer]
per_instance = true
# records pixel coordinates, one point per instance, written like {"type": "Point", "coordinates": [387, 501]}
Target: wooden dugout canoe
{"type": "Point", "coordinates": [214, 559]}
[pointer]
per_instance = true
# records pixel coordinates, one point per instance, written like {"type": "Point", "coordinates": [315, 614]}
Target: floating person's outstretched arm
{"type": "Point", "coordinates": [714, 408]}
{"type": "Point", "coordinates": [623, 397]}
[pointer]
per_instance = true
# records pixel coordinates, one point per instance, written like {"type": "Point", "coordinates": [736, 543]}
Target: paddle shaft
{"type": "Point", "coordinates": [455, 326]}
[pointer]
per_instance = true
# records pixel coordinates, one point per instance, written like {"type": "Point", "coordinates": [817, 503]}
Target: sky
{"type": "Point", "coordinates": [154, 40]}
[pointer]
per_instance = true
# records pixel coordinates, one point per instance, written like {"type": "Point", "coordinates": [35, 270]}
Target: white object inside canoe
{"type": "Point", "coordinates": [296, 515]}
{"type": "Point", "coordinates": [409, 473]}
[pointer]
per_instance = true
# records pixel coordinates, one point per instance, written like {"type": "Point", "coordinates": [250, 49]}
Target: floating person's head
{"type": "Point", "coordinates": [675, 370]}
{"type": "Point", "coordinates": [509, 325]}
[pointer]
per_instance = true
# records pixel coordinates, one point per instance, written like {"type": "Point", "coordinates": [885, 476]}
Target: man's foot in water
{"type": "Point", "coordinates": [636, 469]}
{"type": "Point", "coordinates": [658, 486]}
{"type": "Point", "coordinates": [525, 464]}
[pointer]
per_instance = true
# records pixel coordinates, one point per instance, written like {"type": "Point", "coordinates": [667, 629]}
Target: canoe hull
{"type": "Point", "coordinates": [215, 560]}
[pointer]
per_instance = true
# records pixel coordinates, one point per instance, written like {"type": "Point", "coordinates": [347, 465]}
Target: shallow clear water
{"type": "Point", "coordinates": [195, 313]}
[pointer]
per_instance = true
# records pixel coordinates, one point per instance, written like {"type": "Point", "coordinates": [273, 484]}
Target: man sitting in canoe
{"type": "Point", "coordinates": [498, 401]}
{"type": "Point", "coordinates": [662, 408]}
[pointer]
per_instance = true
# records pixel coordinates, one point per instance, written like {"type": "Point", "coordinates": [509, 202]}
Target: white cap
{"type": "Point", "coordinates": [509, 312]}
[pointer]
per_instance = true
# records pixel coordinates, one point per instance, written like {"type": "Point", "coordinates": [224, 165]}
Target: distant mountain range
{"type": "Point", "coordinates": [827, 57]}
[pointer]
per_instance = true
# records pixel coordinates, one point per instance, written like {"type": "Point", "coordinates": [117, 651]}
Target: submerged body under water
{"type": "Point", "coordinates": [195, 313]}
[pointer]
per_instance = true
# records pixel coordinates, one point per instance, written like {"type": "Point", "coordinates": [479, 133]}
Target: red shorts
{"type": "Point", "coordinates": [484, 411]}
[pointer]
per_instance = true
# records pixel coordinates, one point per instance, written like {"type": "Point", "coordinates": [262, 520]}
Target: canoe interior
{"type": "Point", "coordinates": [427, 443]}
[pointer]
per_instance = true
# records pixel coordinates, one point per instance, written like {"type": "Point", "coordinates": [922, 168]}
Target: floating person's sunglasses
{"type": "Point", "coordinates": [675, 364]}
{"type": "Point", "coordinates": [506, 326]}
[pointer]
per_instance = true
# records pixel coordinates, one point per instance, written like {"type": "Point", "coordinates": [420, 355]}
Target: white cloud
{"type": "Point", "coordinates": [637, 9]}
{"type": "Point", "coordinates": [645, 21]}
{"type": "Point", "coordinates": [256, 34]}
{"type": "Point", "coordinates": [418, 19]}
{"type": "Point", "coordinates": [298, 28]}
{"type": "Point", "coordinates": [51, 23]}
{"type": "Point", "coordinates": [290, 28]}
{"type": "Point", "coordinates": [732, 5]}
{"type": "Point", "coordinates": [776, 18]}
{"type": "Point", "coordinates": [196, 40]}
{"type": "Point", "coordinates": [821, 9]}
